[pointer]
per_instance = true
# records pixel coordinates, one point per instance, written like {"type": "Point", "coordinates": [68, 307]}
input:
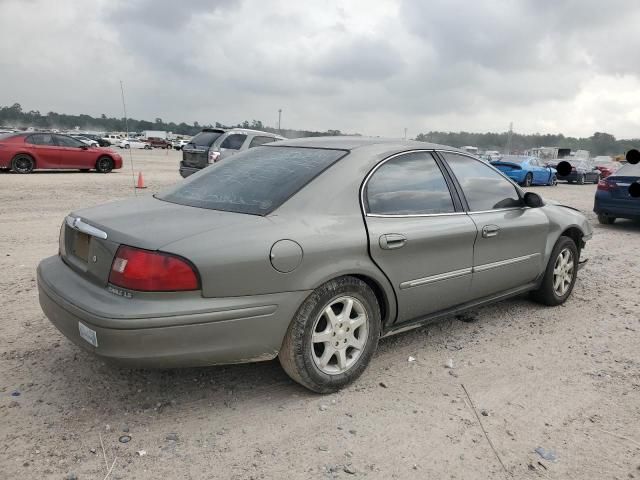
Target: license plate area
{"type": "Point", "coordinates": [80, 247]}
{"type": "Point", "coordinates": [88, 334]}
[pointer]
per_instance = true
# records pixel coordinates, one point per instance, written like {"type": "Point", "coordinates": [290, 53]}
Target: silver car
{"type": "Point", "coordinates": [309, 250]}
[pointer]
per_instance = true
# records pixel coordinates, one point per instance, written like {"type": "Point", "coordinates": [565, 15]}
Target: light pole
{"type": "Point", "coordinates": [279, 118]}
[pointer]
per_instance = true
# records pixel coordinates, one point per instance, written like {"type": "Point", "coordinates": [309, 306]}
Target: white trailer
{"type": "Point", "coordinates": [146, 134]}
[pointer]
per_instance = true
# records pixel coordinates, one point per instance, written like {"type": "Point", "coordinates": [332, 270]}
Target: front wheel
{"type": "Point", "coordinates": [147, 147]}
{"type": "Point", "coordinates": [581, 179]}
{"type": "Point", "coordinates": [554, 181]}
{"type": "Point", "coordinates": [560, 275]}
{"type": "Point", "coordinates": [333, 335]}
{"type": "Point", "coordinates": [22, 164]}
{"type": "Point", "coordinates": [104, 165]}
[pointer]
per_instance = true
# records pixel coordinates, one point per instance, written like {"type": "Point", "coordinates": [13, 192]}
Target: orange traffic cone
{"type": "Point", "coordinates": [140, 183]}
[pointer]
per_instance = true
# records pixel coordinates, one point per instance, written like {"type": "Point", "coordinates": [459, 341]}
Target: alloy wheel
{"type": "Point", "coordinates": [339, 335]}
{"type": "Point", "coordinates": [563, 272]}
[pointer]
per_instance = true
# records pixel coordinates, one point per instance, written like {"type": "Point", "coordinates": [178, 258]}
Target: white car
{"type": "Point", "coordinates": [178, 144]}
{"type": "Point", "coordinates": [134, 143]}
{"type": "Point", "coordinates": [85, 140]}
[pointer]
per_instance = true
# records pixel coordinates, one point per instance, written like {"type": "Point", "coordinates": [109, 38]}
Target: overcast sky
{"type": "Point", "coordinates": [367, 66]}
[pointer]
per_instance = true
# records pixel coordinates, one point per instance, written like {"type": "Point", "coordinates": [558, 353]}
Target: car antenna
{"type": "Point", "coordinates": [126, 126]}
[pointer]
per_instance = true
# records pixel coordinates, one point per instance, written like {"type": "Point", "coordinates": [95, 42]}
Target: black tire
{"type": "Point", "coordinates": [554, 181]}
{"type": "Point", "coordinates": [104, 165]}
{"type": "Point", "coordinates": [297, 353]}
{"type": "Point", "coordinates": [23, 164]}
{"type": "Point", "coordinates": [528, 180]}
{"type": "Point", "coordinates": [147, 147]}
{"type": "Point", "coordinates": [605, 219]}
{"type": "Point", "coordinates": [127, 146]}
{"type": "Point", "coordinates": [546, 293]}
{"type": "Point", "coordinates": [581, 179]}
{"type": "Point", "coordinates": [597, 179]}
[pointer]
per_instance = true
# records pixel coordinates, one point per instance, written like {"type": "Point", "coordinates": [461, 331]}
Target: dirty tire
{"type": "Point", "coordinates": [104, 165]}
{"type": "Point", "coordinates": [528, 180]}
{"type": "Point", "coordinates": [546, 294]}
{"type": "Point", "coordinates": [606, 219]}
{"type": "Point", "coordinates": [297, 356]}
{"type": "Point", "coordinates": [22, 164]}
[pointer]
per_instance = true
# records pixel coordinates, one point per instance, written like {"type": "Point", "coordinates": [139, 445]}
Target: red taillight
{"type": "Point", "coordinates": [606, 185]}
{"type": "Point", "coordinates": [213, 156]}
{"type": "Point", "coordinates": [148, 271]}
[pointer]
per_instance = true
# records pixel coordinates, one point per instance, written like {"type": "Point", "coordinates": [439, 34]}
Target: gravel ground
{"type": "Point", "coordinates": [566, 379]}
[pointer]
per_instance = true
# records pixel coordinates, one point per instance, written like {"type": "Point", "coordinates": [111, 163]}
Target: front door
{"type": "Point", "coordinates": [73, 153]}
{"type": "Point", "coordinates": [418, 234]}
{"type": "Point", "coordinates": [509, 250]}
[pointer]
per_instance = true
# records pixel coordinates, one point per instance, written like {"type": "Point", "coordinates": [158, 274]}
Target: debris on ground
{"type": "Point", "coordinates": [411, 359]}
{"type": "Point", "coordinates": [449, 363]}
{"type": "Point", "coordinates": [349, 469]}
{"type": "Point", "coordinates": [141, 453]}
{"type": "Point", "coordinates": [383, 385]}
{"type": "Point", "coordinates": [124, 439]}
{"type": "Point", "coordinates": [172, 437]}
{"type": "Point", "coordinates": [549, 455]}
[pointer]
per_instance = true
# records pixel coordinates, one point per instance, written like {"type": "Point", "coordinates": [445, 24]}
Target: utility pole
{"type": "Point", "coordinates": [405, 133]}
{"type": "Point", "coordinates": [279, 118]}
{"type": "Point", "coordinates": [510, 139]}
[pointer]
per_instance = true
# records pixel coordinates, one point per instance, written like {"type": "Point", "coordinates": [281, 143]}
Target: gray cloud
{"type": "Point", "coordinates": [371, 67]}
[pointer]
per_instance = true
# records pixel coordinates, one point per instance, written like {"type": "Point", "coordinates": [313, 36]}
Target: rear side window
{"type": "Point", "coordinates": [234, 141]}
{"type": "Point", "coordinates": [41, 139]}
{"type": "Point", "coordinates": [410, 184]}
{"type": "Point", "coordinates": [257, 141]}
{"type": "Point", "coordinates": [205, 139]}
{"type": "Point", "coordinates": [64, 141]}
{"type": "Point", "coordinates": [483, 187]}
{"type": "Point", "coordinates": [256, 181]}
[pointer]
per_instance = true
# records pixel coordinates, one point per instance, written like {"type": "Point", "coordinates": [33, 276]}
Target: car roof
{"type": "Point", "coordinates": [354, 142]}
{"type": "Point", "coordinates": [241, 130]}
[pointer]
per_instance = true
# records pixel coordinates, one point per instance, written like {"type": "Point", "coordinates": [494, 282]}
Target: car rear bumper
{"type": "Point", "coordinates": [226, 330]}
{"type": "Point", "coordinates": [572, 177]}
{"type": "Point", "coordinates": [186, 171]}
{"type": "Point", "coordinates": [617, 208]}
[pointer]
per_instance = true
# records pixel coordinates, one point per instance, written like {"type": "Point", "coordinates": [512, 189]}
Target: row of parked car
{"type": "Point", "coordinates": [528, 170]}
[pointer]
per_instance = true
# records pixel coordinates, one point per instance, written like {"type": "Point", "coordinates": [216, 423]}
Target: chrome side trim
{"type": "Point", "coordinates": [411, 215]}
{"type": "Point", "coordinates": [498, 210]}
{"type": "Point", "coordinates": [77, 224]}
{"type": "Point", "coordinates": [503, 263]}
{"type": "Point", "coordinates": [435, 278]}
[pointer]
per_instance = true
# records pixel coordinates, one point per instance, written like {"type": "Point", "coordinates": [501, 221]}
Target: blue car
{"type": "Point", "coordinates": [613, 196]}
{"type": "Point", "coordinates": [526, 170]}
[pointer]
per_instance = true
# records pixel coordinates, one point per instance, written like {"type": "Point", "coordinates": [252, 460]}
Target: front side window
{"type": "Point", "coordinates": [255, 181]}
{"type": "Point", "coordinates": [410, 184]}
{"type": "Point", "coordinates": [483, 187]}
{"type": "Point", "coordinates": [257, 141]}
{"type": "Point", "coordinates": [41, 139]}
{"type": "Point", "coordinates": [64, 141]}
{"type": "Point", "coordinates": [234, 141]}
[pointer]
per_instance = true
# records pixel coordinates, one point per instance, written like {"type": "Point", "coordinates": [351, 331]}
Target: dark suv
{"type": "Point", "coordinates": [214, 144]}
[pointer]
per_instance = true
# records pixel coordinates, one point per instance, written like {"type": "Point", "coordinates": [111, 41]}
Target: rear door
{"type": "Point", "coordinates": [511, 240]}
{"type": "Point", "coordinates": [418, 234]}
{"type": "Point", "coordinates": [44, 148]}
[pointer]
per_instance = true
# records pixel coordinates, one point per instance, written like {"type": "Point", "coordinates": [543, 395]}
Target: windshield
{"type": "Point", "coordinates": [629, 170]}
{"type": "Point", "coordinates": [205, 139]}
{"type": "Point", "coordinates": [255, 182]}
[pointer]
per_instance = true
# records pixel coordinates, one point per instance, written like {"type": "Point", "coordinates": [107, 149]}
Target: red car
{"type": "Point", "coordinates": [26, 152]}
{"type": "Point", "coordinates": [607, 169]}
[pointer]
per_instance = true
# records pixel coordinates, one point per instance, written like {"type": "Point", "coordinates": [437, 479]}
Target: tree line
{"type": "Point", "coordinates": [599, 143]}
{"type": "Point", "coordinates": [14, 116]}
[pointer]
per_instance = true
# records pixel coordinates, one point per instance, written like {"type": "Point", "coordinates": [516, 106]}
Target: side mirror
{"type": "Point", "coordinates": [84, 147]}
{"type": "Point", "coordinates": [533, 200]}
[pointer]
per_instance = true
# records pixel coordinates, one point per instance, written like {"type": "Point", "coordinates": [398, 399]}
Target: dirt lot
{"type": "Point", "coordinates": [565, 379]}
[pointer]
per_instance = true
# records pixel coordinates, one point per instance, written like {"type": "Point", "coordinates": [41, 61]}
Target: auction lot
{"type": "Point", "coordinates": [565, 379]}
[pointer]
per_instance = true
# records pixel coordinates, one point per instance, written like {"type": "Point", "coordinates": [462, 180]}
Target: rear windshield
{"type": "Point", "coordinates": [255, 182]}
{"type": "Point", "coordinates": [629, 170]}
{"type": "Point", "coordinates": [205, 139]}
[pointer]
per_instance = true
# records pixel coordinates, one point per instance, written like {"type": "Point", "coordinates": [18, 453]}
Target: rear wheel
{"type": "Point", "coordinates": [560, 275]}
{"type": "Point", "coordinates": [528, 180]}
{"type": "Point", "coordinates": [126, 146]}
{"type": "Point", "coordinates": [104, 165]}
{"type": "Point", "coordinates": [333, 336]}
{"type": "Point", "coordinates": [581, 179]}
{"type": "Point", "coordinates": [22, 164]}
{"type": "Point", "coordinates": [605, 219]}
{"type": "Point", "coordinates": [147, 147]}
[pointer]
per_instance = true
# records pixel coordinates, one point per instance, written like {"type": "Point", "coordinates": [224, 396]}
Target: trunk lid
{"type": "Point", "coordinates": [146, 223]}
{"type": "Point", "coordinates": [619, 187]}
{"type": "Point", "coordinates": [196, 153]}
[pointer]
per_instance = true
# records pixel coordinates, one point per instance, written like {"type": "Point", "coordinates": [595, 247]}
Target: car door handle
{"type": "Point", "coordinates": [390, 241]}
{"type": "Point", "coordinates": [489, 231]}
